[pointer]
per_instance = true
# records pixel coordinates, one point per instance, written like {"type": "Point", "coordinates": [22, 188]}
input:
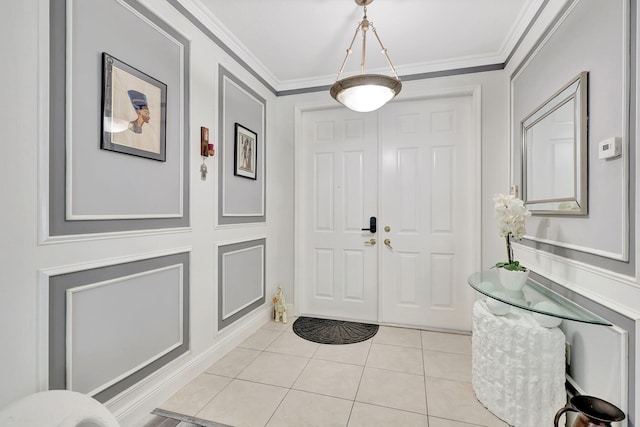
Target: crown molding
{"type": "Point", "coordinates": [230, 44]}
{"type": "Point", "coordinates": [521, 27]}
{"type": "Point", "coordinates": [226, 40]}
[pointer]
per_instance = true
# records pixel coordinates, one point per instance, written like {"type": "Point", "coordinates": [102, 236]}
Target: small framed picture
{"type": "Point", "coordinates": [133, 111]}
{"type": "Point", "coordinates": [246, 152]}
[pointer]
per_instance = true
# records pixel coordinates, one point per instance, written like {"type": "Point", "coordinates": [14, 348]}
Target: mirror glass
{"type": "Point", "coordinates": [554, 155]}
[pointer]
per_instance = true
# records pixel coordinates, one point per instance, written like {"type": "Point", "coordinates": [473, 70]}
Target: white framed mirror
{"type": "Point", "coordinates": [554, 152]}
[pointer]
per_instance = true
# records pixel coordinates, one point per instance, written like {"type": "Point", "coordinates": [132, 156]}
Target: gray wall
{"type": "Point", "coordinates": [29, 256]}
{"type": "Point", "coordinates": [241, 280]}
{"type": "Point", "coordinates": [590, 39]}
{"type": "Point", "coordinates": [241, 200]}
{"type": "Point", "coordinates": [597, 359]}
{"type": "Point", "coordinates": [109, 327]}
{"type": "Point", "coordinates": [110, 191]}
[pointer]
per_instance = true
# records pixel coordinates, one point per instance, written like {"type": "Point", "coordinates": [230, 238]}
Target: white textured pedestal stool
{"type": "Point", "coordinates": [518, 367]}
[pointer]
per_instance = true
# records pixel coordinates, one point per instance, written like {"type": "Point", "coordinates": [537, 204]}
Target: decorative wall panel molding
{"type": "Point", "coordinates": [241, 278]}
{"type": "Point", "coordinates": [602, 238]}
{"type": "Point", "coordinates": [111, 326]}
{"type": "Point", "coordinates": [610, 375]}
{"type": "Point", "coordinates": [241, 200]}
{"type": "Point", "coordinates": [106, 317]}
{"type": "Point", "coordinates": [93, 190]}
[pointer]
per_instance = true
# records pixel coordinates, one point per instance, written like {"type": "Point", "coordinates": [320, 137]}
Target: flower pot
{"type": "Point", "coordinates": [512, 280]}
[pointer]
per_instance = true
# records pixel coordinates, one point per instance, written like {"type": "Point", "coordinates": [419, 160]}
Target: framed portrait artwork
{"type": "Point", "coordinates": [246, 152]}
{"type": "Point", "coordinates": [133, 111]}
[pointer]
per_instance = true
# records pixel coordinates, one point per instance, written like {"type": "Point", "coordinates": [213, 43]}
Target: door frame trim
{"type": "Point", "coordinates": [475, 92]}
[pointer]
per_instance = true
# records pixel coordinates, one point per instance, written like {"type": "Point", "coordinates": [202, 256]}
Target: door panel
{"type": "Point", "coordinates": [324, 168]}
{"type": "Point", "coordinates": [426, 168]}
{"type": "Point", "coordinates": [339, 178]}
{"type": "Point", "coordinates": [323, 278]}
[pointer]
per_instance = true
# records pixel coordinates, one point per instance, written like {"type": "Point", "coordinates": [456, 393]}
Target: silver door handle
{"type": "Point", "coordinates": [388, 243]}
{"type": "Point", "coordinates": [371, 242]}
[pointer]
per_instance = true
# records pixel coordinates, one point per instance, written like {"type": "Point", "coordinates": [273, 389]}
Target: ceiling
{"type": "Point", "coordinates": [296, 44]}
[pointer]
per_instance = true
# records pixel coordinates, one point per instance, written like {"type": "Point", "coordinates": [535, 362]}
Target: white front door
{"type": "Point", "coordinates": [339, 193]}
{"type": "Point", "coordinates": [426, 203]}
{"type": "Point", "coordinates": [410, 166]}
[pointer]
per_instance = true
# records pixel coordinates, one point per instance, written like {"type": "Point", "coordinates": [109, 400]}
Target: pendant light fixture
{"type": "Point", "coordinates": [365, 92]}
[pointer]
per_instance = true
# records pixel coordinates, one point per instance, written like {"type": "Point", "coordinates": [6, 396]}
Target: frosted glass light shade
{"type": "Point", "coordinates": [365, 92]}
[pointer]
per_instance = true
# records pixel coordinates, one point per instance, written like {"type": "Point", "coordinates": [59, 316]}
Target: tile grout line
{"type": "Point", "coordinates": [277, 407]}
{"type": "Point", "coordinates": [231, 379]}
{"type": "Point", "coordinates": [235, 378]}
{"type": "Point", "coordinates": [424, 371]}
{"type": "Point", "coordinates": [461, 422]}
{"type": "Point", "coordinates": [364, 367]}
{"type": "Point", "coordinates": [279, 334]}
{"type": "Point", "coordinates": [211, 399]}
{"type": "Point", "coordinates": [409, 411]}
{"type": "Point", "coordinates": [294, 381]}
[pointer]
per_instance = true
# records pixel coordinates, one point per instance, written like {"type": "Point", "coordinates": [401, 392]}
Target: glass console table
{"type": "Point", "coordinates": [530, 297]}
{"type": "Point", "coordinates": [518, 356]}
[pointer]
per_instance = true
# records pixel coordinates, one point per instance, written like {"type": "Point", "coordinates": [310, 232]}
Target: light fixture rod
{"type": "Point", "coordinates": [384, 51]}
{"type": "Point", "coordinates": [349, 51]}
{"type": "Point", "coordinates": [364, 26]}
{"type": "Point", "coordinates": [363, 62]}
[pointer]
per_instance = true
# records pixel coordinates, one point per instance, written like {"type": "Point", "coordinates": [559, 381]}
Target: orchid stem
{"type": "Point", "coordinates": [509, 250]}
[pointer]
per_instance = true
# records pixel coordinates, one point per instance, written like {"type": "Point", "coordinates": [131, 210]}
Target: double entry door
{"type": "Point", "coordinates": [410, 166]}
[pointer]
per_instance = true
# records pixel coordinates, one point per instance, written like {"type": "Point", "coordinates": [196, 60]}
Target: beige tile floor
{"type": "Point", "coordinates": [400, 377]}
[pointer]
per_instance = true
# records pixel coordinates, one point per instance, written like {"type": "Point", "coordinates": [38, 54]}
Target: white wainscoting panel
{"type": "Point", "coordinates": [120, 325]}
{"type": "Point", "coordinates": [599, 361]}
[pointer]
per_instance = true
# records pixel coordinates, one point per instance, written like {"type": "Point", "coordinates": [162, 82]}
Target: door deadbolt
{"type": "Point", "coordinates": [372, 225]}
{"type": "Point", "coordinates": [387, 228]}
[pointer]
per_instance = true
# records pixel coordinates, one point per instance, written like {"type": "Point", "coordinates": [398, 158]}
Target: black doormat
{"type": "Point", "coordinates": [326, 331]}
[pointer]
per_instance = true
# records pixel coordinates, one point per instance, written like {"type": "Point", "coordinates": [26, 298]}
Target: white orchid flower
{"type": "Point", "coordinates": [510, 215]}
